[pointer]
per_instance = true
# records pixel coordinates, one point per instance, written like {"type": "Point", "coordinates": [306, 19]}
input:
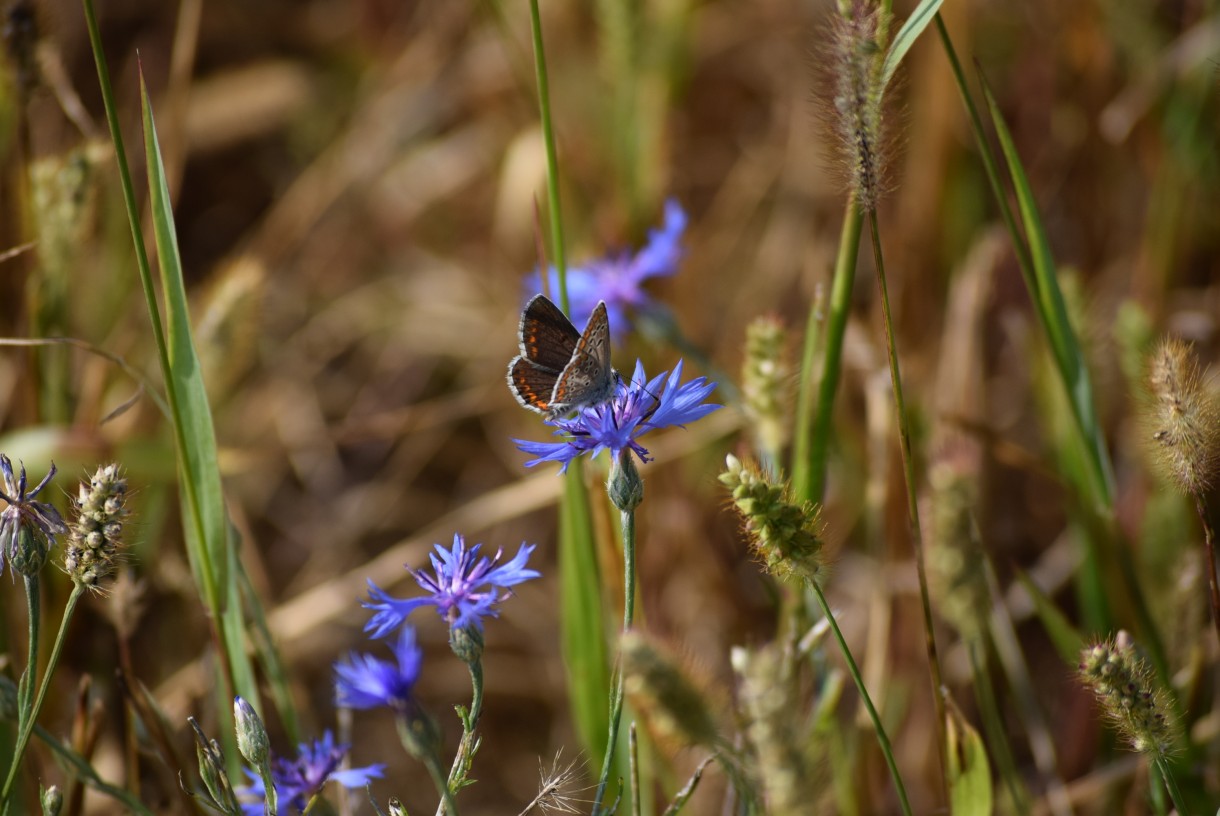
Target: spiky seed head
{"type": "Point", "coordinates": [1182, 418]}
{"type": "Point", "coordinates": [786, 535]}
{"type": "Point", "coordinates": [1129, 694]}
{"type": "Point", "coordinates": [677, 708]}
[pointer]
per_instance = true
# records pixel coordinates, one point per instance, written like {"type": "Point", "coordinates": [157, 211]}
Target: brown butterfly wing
{"type": "Point", "coordinates": [547, 338]}
{"type": "Point", "coordinates": [588, 378]}
{"type": "Point", "coordinates": [532, 385]}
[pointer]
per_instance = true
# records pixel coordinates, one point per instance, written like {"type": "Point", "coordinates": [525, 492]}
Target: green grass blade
{"type": "Point", "coordinates": [920, 18]}
{"type": "Point", "coordinates": [1066, 638]}
{"type": "Point", "coordinates": [1052, 311]}
{"type": "Point", "coordinates": [586, 662]}
{"type": "Point", "coordinates": [205, 522]}
{"type": "Point", "coordinates": [813, 419]}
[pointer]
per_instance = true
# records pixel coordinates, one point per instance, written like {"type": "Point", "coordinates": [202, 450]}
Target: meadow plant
{"type": "Point", "coordinates": [774, 724]}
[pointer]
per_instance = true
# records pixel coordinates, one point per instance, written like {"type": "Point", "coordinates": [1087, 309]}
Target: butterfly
{"type": "Point", "coordinates": [560, 369]}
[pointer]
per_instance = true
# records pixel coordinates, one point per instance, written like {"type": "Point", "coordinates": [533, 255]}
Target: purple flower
{"type": "Point", "coordinates": [463, 588]}
{"type": "Point", "coordinates": [639, 406]}
{"type": "Point", "coordinates": [618, 277]}
{"type": "Point", "coordinates": [40, 518]}
{"type": "Point", "coordinates": [297, 780]}
{"type": "Point", "coordinates": [366, 682]}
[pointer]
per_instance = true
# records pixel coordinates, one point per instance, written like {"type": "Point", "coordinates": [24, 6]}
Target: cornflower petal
{"type": "Point", "coordinates": [639, 405]}
{"type": "Point", "coordinates": [299, 779]}
{"type": "Point", "coordinates": [366, 682]}
{"type": "Point", "coordinates": [462, 587]}
{"type": "Point", "coordinates": [617, 277]}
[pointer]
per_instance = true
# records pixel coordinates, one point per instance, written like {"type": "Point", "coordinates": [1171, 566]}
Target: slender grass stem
{"type": "Point", "coordinates": [908, 470]}
{"type": "Point", "coordinates": [558, 254]}
{"type": "Point", "coordinates": [616, 699]}
{"type": "Point", "coordinates": [28, 719]}
{"type": "Point", "coordinates": [1171, 784]}
{"type": "Point", "coordinates": [854, 670]}
{"type": "Point", "coordinates": [26, 713]}
{"type": "Point", "coordinates": [813, 428]}
{"type": "Point", "coordinates": [994, 725]}
{"type": "Point", "coordinates": [634, 754]}
{"type": "Point", "coordinates": [1209, 543]}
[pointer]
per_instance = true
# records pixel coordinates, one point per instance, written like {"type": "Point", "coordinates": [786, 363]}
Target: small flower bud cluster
{"type": "Point", "coordinates": [1126, 690]}
{"type": "Point", "coordinates": [657, 685]}
{"type": "Point", "coordinates": [765, 383]}
{"type": "Point", "coordinates": [786, 535]}
{"type": "Point", "coordinates": [955, 555]}
{"type": "Point", "coordinates": [1183, 419]}
{"type": "Point", "coordinates": [94, 535]}
{"type": "Point", "coordinates": [768, 701]}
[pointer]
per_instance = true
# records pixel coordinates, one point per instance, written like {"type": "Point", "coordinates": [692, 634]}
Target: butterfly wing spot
{"type": "Point", "coordinates": [532, 385]}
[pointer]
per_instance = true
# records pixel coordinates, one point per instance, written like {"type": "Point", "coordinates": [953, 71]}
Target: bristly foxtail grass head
{"type": "Point", "coordinates": [785, 534]}
{"type": "Point", "coordinates": [767, 694]}
{"type": "Point", "coordinates": [766, 384]}
{"type": "Point", "coordinates": [955, 553]}
{"type": "Point", "coordinates": [861, 32]}
{"type": "Point", "coordinates": [1182, 418]}
{"type": "Point", "coordinates": [677, 708]}
{"type": "Point", "coordinates": [95, 534]}
{"type": "Point", "coordinates": [1129, 694]}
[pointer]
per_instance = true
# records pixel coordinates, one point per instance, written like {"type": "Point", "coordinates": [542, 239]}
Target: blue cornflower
{"type": "Point", "coordinates": [297, 780]}
{"type": "Point", "coordinates": [638, 406]}
{"type": "Point", "coordinates": [41, 520]}
{"type": "Point", "coordinates": [366, 682]}
{"type": "Point", "coordinates": [618, 278]}
{"type": "Point", "coordinates": [463, 588]}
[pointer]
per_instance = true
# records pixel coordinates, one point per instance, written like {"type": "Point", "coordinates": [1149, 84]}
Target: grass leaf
{"type": "Point", "coordinates": [923, 14]}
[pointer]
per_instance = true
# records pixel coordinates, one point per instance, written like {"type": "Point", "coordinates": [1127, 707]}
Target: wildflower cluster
{"type": "Point", "coordinates": [618, 279]}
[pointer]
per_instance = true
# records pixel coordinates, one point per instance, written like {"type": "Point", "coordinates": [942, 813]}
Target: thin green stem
{"type": "Point", "coordinates": [27, 722]}
{"type": "Point", "coordinates": [86, 772]}
{"type": "Point", "coordinates": [26, 714]}
{"type": "Point", "coordinates": [470, 723]}
{"type": "Point", "coordinates": [997, 734]}
{"type": "Point", "coordinates": [908, 471]}
{"type": "Point", "coordinates": [1162, 766]}
{"type": "Point", "coordinates": [854, 670]}
{"type": "Point", "coordinates": [616, 699]}
{"type": "Point", "coordinates": [438, 779]}
{"type": "Point", "coordinates": [813, 429]}
{"type": "Point", "coordinates": [552, 161]}
{"type": "Point", "coordinates": [634, 754]}
{"type": "Point", "coordinates": [1209, 543]}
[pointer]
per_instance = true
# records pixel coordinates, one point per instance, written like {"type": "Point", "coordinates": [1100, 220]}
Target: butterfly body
{"type": "Point", "coordinates": [559, 368]}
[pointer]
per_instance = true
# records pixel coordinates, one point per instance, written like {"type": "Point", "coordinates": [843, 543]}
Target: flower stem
{"type": "Point", "coordinates": [470, 722]}
{"type": "Point", "coordinates": [28, 718]}
{"type": "Point", "coordinates": [616, 698]}
{"type": "Point", "coordinates": [438, 778]}
{"type": "Point", "coordinates": [908, 471]}
{"type": "Point", "coordinates": [854, 670]}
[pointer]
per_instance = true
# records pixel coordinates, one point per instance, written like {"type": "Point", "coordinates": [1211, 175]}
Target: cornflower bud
{"type": "Point", "coordinates": [252, 738]}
